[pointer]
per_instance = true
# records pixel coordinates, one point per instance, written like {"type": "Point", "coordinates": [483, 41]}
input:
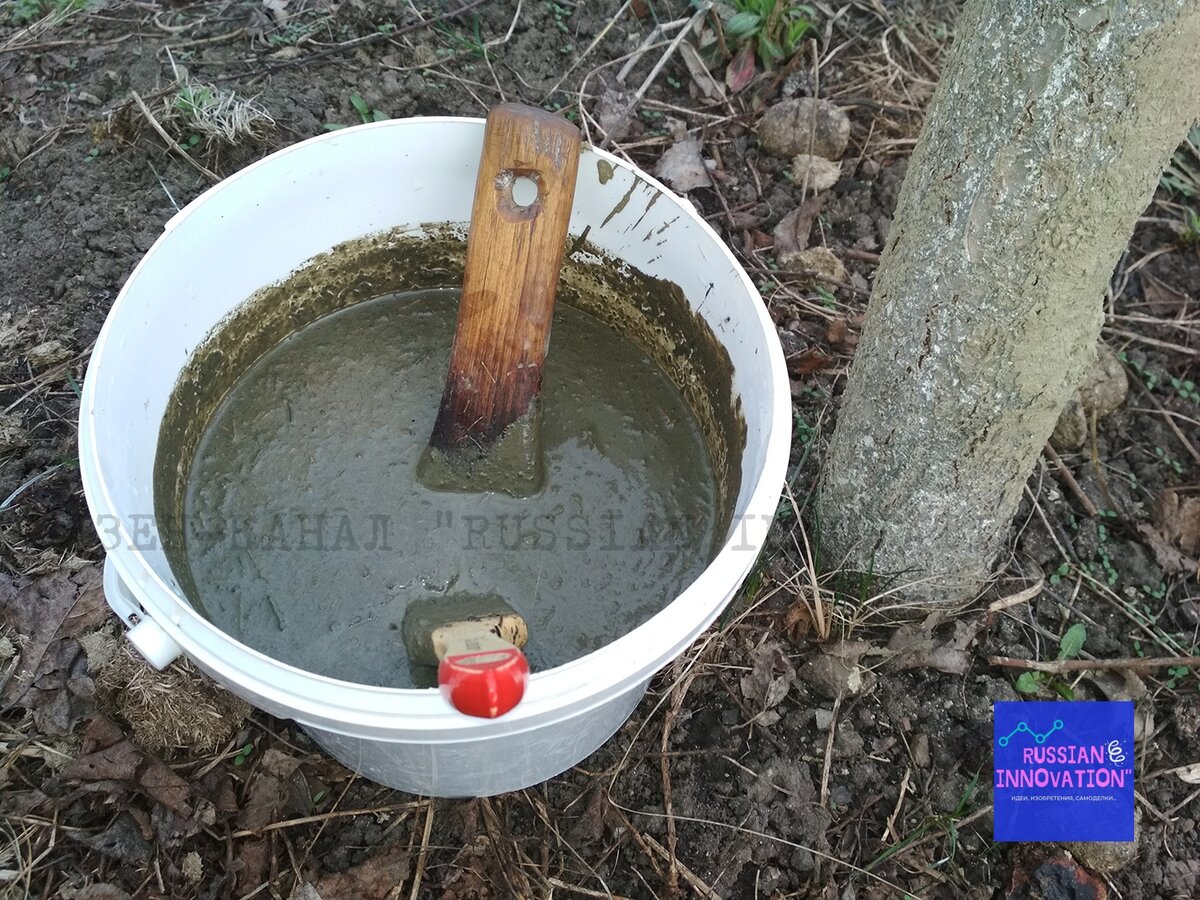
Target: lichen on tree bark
{"type": "Point", "coordinates": [1042, 145]}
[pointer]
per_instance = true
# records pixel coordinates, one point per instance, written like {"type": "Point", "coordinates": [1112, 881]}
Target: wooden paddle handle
{"type": "Point", "coordinates": [514, 254]}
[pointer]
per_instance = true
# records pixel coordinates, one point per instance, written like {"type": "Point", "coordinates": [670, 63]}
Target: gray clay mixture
{"type": "Point", "coordinates": [307, 536]}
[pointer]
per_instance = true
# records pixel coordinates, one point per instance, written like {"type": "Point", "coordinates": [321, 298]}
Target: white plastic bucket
{"type": "Point", "coordinates": [263, 223]}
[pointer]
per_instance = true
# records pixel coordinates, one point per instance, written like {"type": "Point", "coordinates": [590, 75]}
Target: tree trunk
{"type": "Point", "coordinates": [1044, 142]}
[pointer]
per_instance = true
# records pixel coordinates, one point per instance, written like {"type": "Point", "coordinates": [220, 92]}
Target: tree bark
{"type": "Point", "coordinates": [1042, 145]}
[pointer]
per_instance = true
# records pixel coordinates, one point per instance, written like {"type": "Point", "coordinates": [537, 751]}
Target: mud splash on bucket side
{"type": "Point", "coordinates": [652, 313]}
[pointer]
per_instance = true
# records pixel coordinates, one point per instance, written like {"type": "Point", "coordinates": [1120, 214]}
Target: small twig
{"type": "Point", "coordinates": [423, 854]}
{"type": "Point", "coordinates": [658, 67]}
{"type": "Point", "coordinates": [1016, 599]}
{"type": "Point", "coordinates": [678, 692]}
{"type": "Point", "coordinates": [862, 255]}
{"type": "Point", "coordinates": [638, 839]}
{"type": "Point", "coordinates": [350, 44]}
{"type": "Point", "coordinates": [1069, 480]}
{"type": "Point", "coordinates": [895, 816]}
{"type": "Point", "coordinates": [600, 35]}
{"type": "Point", "coordinates": [829, 752]}
{"type": "Point", "coordinates": [172, 144]}
{"type": "Point", "coordinates": [688, 875]}
{"type": "Point", "coordinates": [812, 276]}
{"type": "Point", "coordinates": [576, 889]}
{"type": "Point", "coordinates": [1132, 663]}
{"type": "Point", "coordinates": [1188, 445]}
{"type": "Point", "coordinates": [204, 42]}
{"type": "Point", "coordinates": [324, 817]}
{"type": "Point", "coordinates": [1158, 773]}
{"type": "Point", "coordinates": [648, 43]}
{"type": "Point", "coordinates": [1184, 802]}
{"type": "Point", "coordinates": [1151, 808]}
{"type": "Point", "coordinates": [1153, 342]}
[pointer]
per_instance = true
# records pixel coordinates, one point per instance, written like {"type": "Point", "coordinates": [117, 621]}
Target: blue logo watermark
{"type": "Point", "coordinates": [1063, 771]}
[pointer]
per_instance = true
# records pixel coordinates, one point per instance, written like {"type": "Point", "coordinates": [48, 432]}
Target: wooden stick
{"type": "Point", "coordinates": [514, 254]}
{"type": "Point", "coordinates": [172, 144]}
{"type": "Point", "coordinates": [1061, 470]}
{"type": "Point", "coordinates": [1058, 666]}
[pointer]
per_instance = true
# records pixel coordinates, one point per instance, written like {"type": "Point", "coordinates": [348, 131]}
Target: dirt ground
{"type": "Point", "coordinates": [809, 746]}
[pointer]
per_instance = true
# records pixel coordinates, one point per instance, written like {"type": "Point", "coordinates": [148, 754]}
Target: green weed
{"type": "Point", "coordinates": [947, 822]}
{"type": "Point", "coordinates": [364, 109]}
{"type": "Point", "coordinates": [473, 45]}
{"type": "Point", "coordinates": [1070, 645]}
{"type": "Point", "coordinates": [1060, 573]}
{"type": "Point", "coordinates": [776, 27]}
{"type": "Point", "coordinates": [194, 100]}
{"type": "Point", "coordinates": [1191, 227]}
{"type": "Point", "coordinates": [1148, 377]}
{"type": "Point", "coordinates": [1182, 175]}
{"type": "Point", "coordinates": [1186, 389]}
{"type": "Point", "coordinates": [243, 755]}
{"type": "Point", "coordinates": [1169, 460]}
{"type": "Point", "coordinates": [561, 14]}
{"type": "Point", "coordinates": [22, 12]}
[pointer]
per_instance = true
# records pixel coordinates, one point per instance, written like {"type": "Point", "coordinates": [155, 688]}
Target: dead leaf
{"type": "Point", "coordinates": [125, 762]}
{"type": "Point", "coordinates": [682, 167]}
{"type": "Point", "coordinates": [590, 826]}
{"type": "Point", "coordinates": [159, 783]}
{"type": "Point", "coordinates": [614, 113]}
{"type": "Point", "coordinates": [53, 608]}
{"type": "Point", "coordinates": [792, 232]}
{"type": "Point", "coordinates": [121, 841]}
{"type": "Point", "coordinates": [771, 677]}
{"type": "Point", "coordinates": [116, 763]}
{"type": "Point", "coordinates": [797, 621]}
{"type": "Point", "coordinates": [807, 362]}
{"type": "Point", "coordinates": [836, 672]}
{"type": "Point", "coordinates": [1182, 877]}
{"type": "Point", "coordinates": [920, 751]}
{"type": "Point", "coordinates": [915, 647]}
{"type": "Point", "coordinates": [1177, 518]}
{"type": "Point", "coordinates": [267, 796]}
{"type": "Point", "coordinates": [741, 70]}
{"type": "Point", "coordinates": [252, 860]}
{"type": "Point", "coordinates": [101, 732]}
{"type": "Point", "coordinates": [1167, 556]}
{"type": "Point", "coordinates": [64, 696]}
{"type": "Point", "coordinates": [839, 335]}
{"type": "Point", "coordinates": [1162, 299]}
{"type": "Point", "coordinates": [755, 240]}
{"type": "Point", "coordinates": [1189, 774]}
{"type": "Point", "coordinates": [709, 86]}
{"type": "Point", "coordinates": [374, 879]}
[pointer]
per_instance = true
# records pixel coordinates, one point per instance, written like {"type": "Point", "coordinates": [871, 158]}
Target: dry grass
{"type": "Point", "coordinates": [215, 115]}
{"type": "Point", "coordinates": [892, 69]}
{"type": "Point", "coordinates": [166, 710]}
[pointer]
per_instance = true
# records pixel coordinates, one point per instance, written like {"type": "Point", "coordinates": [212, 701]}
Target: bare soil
{"type": "Point", "coordinates": [752, 768]}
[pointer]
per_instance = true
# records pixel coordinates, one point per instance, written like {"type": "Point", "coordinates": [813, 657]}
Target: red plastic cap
{"type": "Point", "coordinates": [486, 684]}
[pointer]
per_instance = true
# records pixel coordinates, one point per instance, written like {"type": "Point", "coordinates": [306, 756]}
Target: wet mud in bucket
{"type": "Point", "coordinates": [301, 529]}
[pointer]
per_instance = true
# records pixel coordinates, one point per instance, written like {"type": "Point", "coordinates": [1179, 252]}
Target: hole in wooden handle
{"type": "Point", "coordinates": [519, 193]}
